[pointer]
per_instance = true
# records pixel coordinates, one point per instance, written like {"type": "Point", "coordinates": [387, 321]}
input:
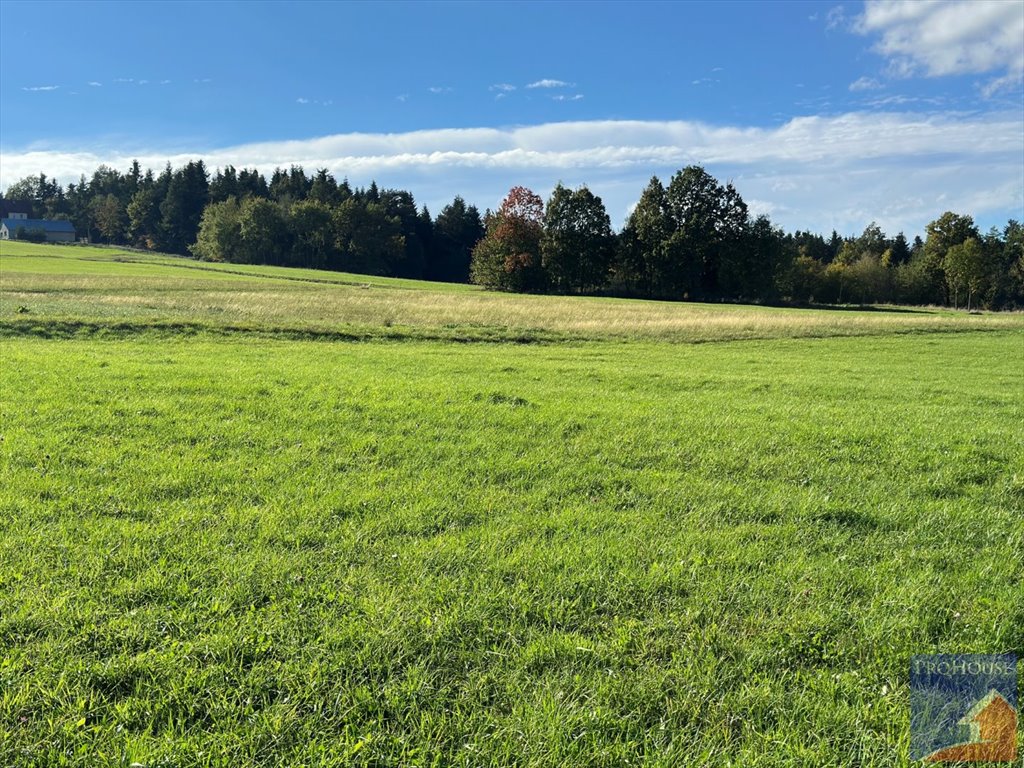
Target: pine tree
{"type": "Point", "coordinates": [456, 232]}
{"type": "Point", "coordinates": [324, 188]}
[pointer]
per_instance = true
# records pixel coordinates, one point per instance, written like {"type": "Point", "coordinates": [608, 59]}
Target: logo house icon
{"type": "Point", "coordinates": [993, 728]}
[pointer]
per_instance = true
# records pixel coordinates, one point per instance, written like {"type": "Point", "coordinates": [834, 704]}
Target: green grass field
{"type": "Point", "coordinates": [255, 516]}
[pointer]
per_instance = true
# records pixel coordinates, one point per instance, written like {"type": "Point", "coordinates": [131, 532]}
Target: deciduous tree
{"type": "Point", "coordinates": [942, 234]}
{"type": "Point", "coordinates": [508, 257]}
{"type": "Point", "coordinates": [110, 217]}
{"type": "Point", "coordinates": [642, 265]}
{"type": "Point", "coordinates": [576, 247]}
{"type": "Point", "coordinates": [263, 231]}
{"type": "Point", "coordinates": [965, 269]}
{"type": "Point", "coordinates": [220, 233]}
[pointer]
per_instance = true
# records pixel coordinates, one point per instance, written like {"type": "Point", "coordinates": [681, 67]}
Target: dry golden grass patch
{"type": "Point", "coordinates": [202, 296]}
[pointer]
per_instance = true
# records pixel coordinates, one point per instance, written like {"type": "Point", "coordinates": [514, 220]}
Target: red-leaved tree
{"type": "Point", "coordinates": [508, 256]}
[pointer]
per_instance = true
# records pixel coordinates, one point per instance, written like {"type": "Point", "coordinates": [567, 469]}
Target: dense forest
{"type": "Point", "coordinates": [693, 238]}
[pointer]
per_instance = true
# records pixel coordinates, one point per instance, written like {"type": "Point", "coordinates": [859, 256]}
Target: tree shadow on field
{"type": "Point", "coordinates": [867, 308]}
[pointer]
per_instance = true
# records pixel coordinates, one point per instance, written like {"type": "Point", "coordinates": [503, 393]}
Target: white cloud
{"type": "Point", "coordinates": [301, 100]}
{"type": "Point", "coordinates": [992, 87]}
{"type": "Point", "coordinates": [865, 84]}
{"type": "Point", "coordinates": [165, 82]}
{"type": "Point", "coordinates": [899, 100]}
{"type": "Point", "coordinates": [566, 97]}
{"type": "Point", "coordinates": [761, 207]}
{"type": "Point", "coordinates": [835, 17]}
{"type": "Point", "coordinates": [547, 83]}
{"type": "Point", "coordinates": [951, 38]}
{"type": "Point", "coordinates": [816, 172]}
{"type": "Point", "coordinates": [41, 88]}
{"type": "Point", "coordinates": [94, 84]}
{"type": "Point", "coordinates": [504, 87]}
{"type": "Point", "coordinates": [440, 89]}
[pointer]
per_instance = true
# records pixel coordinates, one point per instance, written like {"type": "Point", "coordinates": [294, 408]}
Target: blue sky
{"type": "Point", "coordinates": [823, 114]}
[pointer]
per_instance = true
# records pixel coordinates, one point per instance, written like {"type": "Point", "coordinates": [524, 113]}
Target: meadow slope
{"type": "Point", "coordinates": [229, 537]}
{"type": "Point", "coordinates": [74, 289]}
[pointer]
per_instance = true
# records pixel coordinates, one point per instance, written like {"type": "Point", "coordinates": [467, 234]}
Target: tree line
{"type": "Point", "coordinates": [692, 239]}
{"type": "Point", "coordinates": [238, 216]}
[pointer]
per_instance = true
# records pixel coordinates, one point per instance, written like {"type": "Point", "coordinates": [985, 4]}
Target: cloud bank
{"type": "Point", "coordinates": [950, 38]}
{"type": "Point", "coordinates": [811, 172]}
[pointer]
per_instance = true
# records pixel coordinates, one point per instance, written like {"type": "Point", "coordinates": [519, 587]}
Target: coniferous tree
{"type": "Point", "coordinates": [133, 179]}
{"type": "Point", "coordinates": [324, 189]}
{"type": "Point", "coordinates": [400, 205]}
{"type": "Point", "coordinates": [1012, 262]}
{"type": "Point", "coordinates": [182, 207]}
{"type": "Point", "coordinates": [456, 232]}
{"type": "Point", "coordinates": [344, 191]}
{"type": "Point", "coordinates": [224, 184]}
{"type": "Point", "coordinates": [252, 184]}
{"type": "Point", "coordinates": [425, 235]}
{"type": "Point", "coordinates": [79, 206]}
{"type": "Point", "coordinates": [899, 251]}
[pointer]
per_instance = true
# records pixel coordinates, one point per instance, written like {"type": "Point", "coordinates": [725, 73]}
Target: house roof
{"type": "Point", "coordinates": [993, 696]}
{"type": "Point", "coordinates": [47, 225]}
{"type": "Point", "coordinates": [8, 207]}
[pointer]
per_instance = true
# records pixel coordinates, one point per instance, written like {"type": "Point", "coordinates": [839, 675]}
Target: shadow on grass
{"type": "Point", "coordinates": [76, 329]}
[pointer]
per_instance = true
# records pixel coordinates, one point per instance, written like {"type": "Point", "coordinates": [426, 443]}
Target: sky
{"type": "Point", "coordinates": [824, 116]}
